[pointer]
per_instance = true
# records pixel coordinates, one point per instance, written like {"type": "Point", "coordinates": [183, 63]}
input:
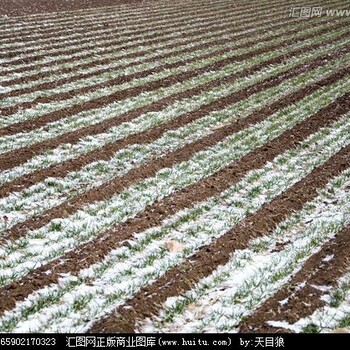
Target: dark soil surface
{"type": "Point", "coordinates": [303, 301]}
{"type": "Point", "coordinates": [27, 7]}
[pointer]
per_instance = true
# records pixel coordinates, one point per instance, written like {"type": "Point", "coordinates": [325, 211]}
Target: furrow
{"type": "Point", "coordinates": [25, 60]}
{"type": "Point", "coordinates": [110, 53]}
{"type": "Point", "coordinates": [21, 57]}
{"type": "Point", "coordinates": [37, 9]}
{"type": "Point", "coordinates": [334, 315]}
{"type": "Point", "coordinates": [111, 77]}
{"type": "Point", "coordinates": [175, 167]}
{"type": "Point", "coordinates": [93, 252]}
{"type": "Point", "coordinates": [306, 291]}
{"type": "Point", "coordinates": [90, 65]}
{"type": "Point", "coordinates": [80, 55]}
{"type": "Point", "coordinates": [46, 27]}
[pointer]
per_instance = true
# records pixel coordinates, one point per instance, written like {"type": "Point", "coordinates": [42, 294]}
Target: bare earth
{"type": "Point", "coordinates": [87, 171]}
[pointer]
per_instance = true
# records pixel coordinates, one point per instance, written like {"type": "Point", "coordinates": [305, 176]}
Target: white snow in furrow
{"type": "Point", "coordinates": [124, 17]}
{"type": "Point", "coordinates": [115, 23]}
{"type": "Point", "coordinates": [20, 206]}
{"type": "Point", "coordinates": [42, 109]}
{"type": "Point", "coordinates": [111, 51]}
{"type": "Point", "coordinates": [69, 151]}
{"type": "Point", "coordinates": [75, 302]}
{"type": "Point", "coordinates": [67, 29]}
{"type": "Point", "coordinates": [63, 234]}
{"type": "Point", "coordinates": [334, 316]}
{"type": "Point", "coordinates": [219, 302]}
{"type": "Point", "coordinates": [78, 16]}
{"type": "Point", "coordinates": [181, 44]}
{"type": "Point", "coordinates": [68, 25]}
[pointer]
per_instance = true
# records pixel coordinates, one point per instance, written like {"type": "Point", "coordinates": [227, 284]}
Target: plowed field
{"type": "Point", "coordinates": [174, 166]}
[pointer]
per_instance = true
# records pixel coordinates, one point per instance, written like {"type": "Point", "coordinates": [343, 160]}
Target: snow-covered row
{"type": "Point", "coordinates": [26, 28]}
{"type": "Point", "coordinates": [159, 48]}
{"type": "Point", "coordinates": [63, 234]}
{"type": "Point", "coordinates": [96, 51]}
{"type": "Point", "coordinates": [80, 17]}
{"type": "Point", "coordinates": [75, 302]}
{"type": "Point", "coordinates": [20, 206]}
{"type": "Point", "coordinates": [90, 117]}
{"type": "Point", "coordinates": [181, 44]}
{"type": "Point", "coordinates": [219, 302]}
{"type": "Point", "coordinates": [106, 27]}
{"type": "Point", "coordinates": [115, 73]}
{"type": "Point", "coordinates": [333, 317]}
{"type": "Point", "coordinates": [110, 110]}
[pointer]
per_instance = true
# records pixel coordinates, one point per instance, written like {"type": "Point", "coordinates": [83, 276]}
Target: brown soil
{"type": "Point", "coordinates": [99, 61]}
{"type": "Point", "coordinates": [86, 27]}
{"type": "Point", "coordinates": [148, 301]}
{"type": "Point", "coordinates": [27, 7]}
{"type": "Point", "coordinates": [209, 257]}
{"type": "Point", "coordinates": [107, 19]}
{"type": "Point", "coordinates": [302, 302]}
{"type": "Point", "coordinates": [270, 14]}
